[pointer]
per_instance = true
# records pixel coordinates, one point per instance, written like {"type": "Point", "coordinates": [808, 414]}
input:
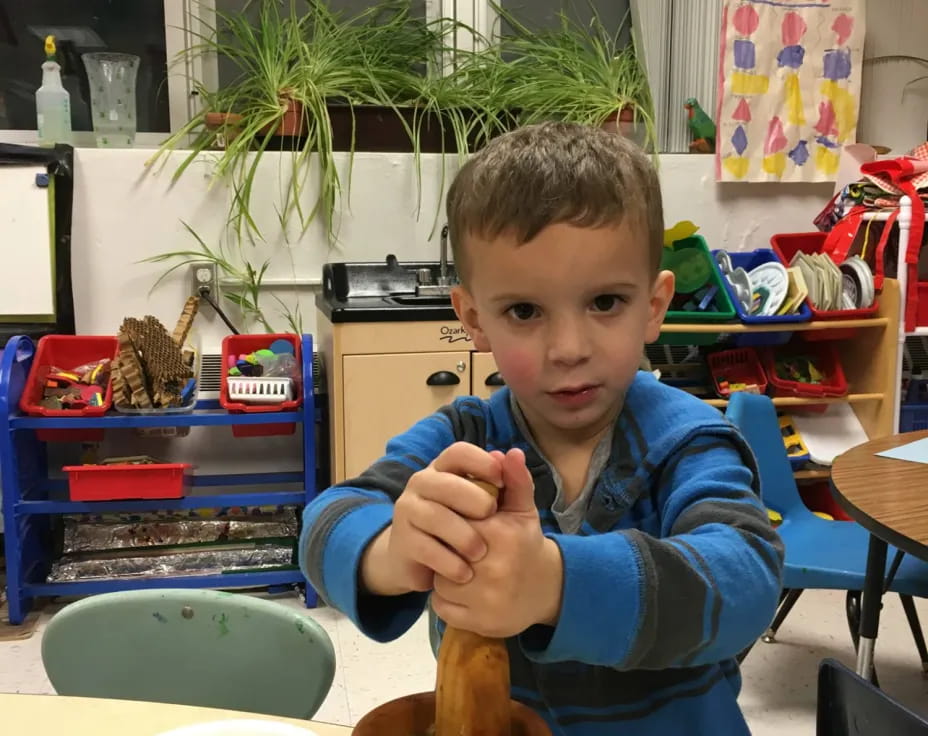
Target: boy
{"type": "Point", "coordinates": [628, 559]}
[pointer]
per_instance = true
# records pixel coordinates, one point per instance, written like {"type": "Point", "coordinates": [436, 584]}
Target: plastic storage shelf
{"type": "Point", "coordinates": [30, 498]}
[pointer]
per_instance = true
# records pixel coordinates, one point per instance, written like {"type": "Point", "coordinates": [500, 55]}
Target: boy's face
{"type": "Point", "coordinates": [566, 316]}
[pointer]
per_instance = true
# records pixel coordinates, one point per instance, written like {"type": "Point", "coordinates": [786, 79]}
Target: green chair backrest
{"type": "Point", "coordinates": [190, 647]}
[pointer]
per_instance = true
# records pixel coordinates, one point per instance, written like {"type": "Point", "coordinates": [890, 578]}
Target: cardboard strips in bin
{"type": "Point", "coordinates": [152, 369]}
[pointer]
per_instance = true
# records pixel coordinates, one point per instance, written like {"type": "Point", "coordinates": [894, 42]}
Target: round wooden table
{"type": "Point", "coordinates": [57, 714]}
{"type": "Point", "coordinates": [889, 498]}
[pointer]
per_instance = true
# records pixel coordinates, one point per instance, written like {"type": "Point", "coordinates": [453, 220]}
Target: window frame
{"type": "Point", "coordinates": [186, 20]}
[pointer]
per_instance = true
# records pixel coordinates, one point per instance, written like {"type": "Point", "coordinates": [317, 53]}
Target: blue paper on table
{"type": "Point", "coordinates": [914, 452]}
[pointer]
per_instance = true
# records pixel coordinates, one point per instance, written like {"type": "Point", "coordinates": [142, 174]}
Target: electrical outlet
{"type": "Point", "coordinates": [204, 274]}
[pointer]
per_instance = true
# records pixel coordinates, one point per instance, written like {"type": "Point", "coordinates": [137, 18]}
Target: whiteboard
{"type": "Point", "coordinates": [27, 268]}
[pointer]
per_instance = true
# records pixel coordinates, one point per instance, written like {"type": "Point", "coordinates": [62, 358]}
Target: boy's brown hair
{"type": "Point", "coordinates": [552, 173]}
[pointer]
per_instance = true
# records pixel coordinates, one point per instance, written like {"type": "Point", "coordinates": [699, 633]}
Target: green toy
{"type": "Point", "coordinates": [701, 127]}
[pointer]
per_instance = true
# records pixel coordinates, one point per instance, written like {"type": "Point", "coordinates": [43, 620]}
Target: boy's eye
{"type": "Point", "coordinates": [607, 302]}
{"type": "Point", "coordinates": [523, 311]}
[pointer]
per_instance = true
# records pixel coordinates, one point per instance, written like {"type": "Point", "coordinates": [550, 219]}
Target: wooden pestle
{"type": "Point", "coordinates": [472, 692]}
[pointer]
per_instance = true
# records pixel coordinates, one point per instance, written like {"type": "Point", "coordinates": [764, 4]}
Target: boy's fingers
{"type": "Point", "coordinates": [518, 485]}
{"type": "Point", "coordinates": [456, 493]}
{"type": "Point", "coordinates": [428, 551]}
{"type": "Point", "coordinates": [449, 528]}
{"type": "Point", "coordinates": [465, 459]}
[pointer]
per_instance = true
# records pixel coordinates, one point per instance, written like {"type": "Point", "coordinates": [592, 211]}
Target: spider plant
{"type": "Point", "coordinates": [577, 73]}
{"type": "Point", "coordinates": [248, 278]}
{"type": "Point", "coordinates": [298, 54]}
{"type": "Point", "coordinates": [464, 102]}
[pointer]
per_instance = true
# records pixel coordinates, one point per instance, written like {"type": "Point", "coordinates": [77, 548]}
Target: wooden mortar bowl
{"type": "Point", "coordinates": [414, 715]}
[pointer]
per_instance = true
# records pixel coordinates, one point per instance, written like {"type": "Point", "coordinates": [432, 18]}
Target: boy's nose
{"type": "Point", "coordinates": [568, 343]}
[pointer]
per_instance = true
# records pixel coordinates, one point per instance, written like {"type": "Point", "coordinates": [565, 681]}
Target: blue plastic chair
{"type": "Point", "coordinates": [820, 554]}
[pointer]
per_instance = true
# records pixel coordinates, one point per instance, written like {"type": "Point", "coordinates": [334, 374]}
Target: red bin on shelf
{"type": "Point", "coordinates": [66, 352]}
{"type": "Point", "coordinates": [787, 245]}
{"type": "Point", "coordinates": [235, 345]}
{"type": "Point", "coordinates": [125, 482]}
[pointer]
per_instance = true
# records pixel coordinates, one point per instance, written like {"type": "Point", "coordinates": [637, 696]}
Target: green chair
{"type": "Point", "coordinates": [190, 647]}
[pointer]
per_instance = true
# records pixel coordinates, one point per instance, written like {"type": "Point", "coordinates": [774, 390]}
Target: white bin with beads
{"type": "Point", "coordinates": [260, 390]}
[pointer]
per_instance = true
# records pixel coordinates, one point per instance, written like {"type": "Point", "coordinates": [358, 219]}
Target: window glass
{"type": "Point", "coordinates": [80, 26]}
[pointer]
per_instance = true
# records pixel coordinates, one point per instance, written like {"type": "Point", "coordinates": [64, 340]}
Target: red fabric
{"type": "Point", "coordinates": [904, 175]}
{"type": "Point", "coordinates": [879, 264]}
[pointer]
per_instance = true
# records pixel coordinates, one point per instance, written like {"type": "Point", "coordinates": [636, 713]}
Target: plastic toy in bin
{"type": "Point", "coordinates": [76, 388]}
{"type": "Point", "coordinates": [809, 370]}
{"type": "Point", "coordinates": [795, 448]}
{"type": "Point", "coordinates": [263, 374]}
{"type": "Point", "coordinates": [737, 370]}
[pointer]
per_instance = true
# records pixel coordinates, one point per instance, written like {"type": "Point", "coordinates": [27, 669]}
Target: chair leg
{"type": "Point", "coordinates": [908, 605]}
{"type": "Point", "coordinates": [786, 605]}
{"type": "Point", "coordinates": [852, 609]}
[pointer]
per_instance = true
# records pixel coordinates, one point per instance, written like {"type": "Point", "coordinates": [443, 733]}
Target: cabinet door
{"type": "Point", "coordinates": [485, 377]}
{"type": "Point", "coordinates": [385, 395]}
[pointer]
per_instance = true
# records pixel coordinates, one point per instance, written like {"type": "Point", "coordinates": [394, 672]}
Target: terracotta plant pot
{"type": "Point", "coordinates": [228, 123]}
{"type": "Point", "coordinates": [621, 121]}
{"type": "Point", "coordinates": [414, 715]}
{"type": "Point", "coordinates": [292, 123]}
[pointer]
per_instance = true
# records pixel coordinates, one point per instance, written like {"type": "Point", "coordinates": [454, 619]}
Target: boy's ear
{"type": "Point", "coordinates": [466, 309]}
{"type": "Point", "coordinates": [661, 296]}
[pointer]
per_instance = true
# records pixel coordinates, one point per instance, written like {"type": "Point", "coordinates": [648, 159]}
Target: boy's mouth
{"type": "Point", "coordinates": [575, 395]}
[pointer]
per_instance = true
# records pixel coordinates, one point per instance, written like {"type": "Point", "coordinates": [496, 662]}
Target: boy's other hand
{"type": "Point", "coordinates": [432, 530]}
{"type": "Point", "coordinates": [518, 582]}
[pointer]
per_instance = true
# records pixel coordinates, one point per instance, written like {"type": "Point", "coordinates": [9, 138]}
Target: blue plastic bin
{"type": "Point", "coordinates": [748, 261]}
{"type": "Point", "coordinates": [913, 415]}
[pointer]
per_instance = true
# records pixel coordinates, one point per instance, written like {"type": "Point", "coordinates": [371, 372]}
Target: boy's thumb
{"type": "Point", "coordinates": [518, 485]}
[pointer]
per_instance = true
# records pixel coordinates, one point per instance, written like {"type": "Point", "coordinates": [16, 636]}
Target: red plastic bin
{"type": "Point", "coordinates": [825, 357]}
{"type": "Point", "coordinates": [737, 366]}
{"type": "Point", "coordinates": [122, 482]}
{"type": "Point", "coordinates": [66, 351]}
{"type": "Point", "coordinates": [242, 345]}
{"type": "Point", "coordinates": [786, 246]}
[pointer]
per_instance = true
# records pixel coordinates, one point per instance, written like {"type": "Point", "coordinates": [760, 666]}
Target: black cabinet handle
{"type": "Point", "coordinates": [494, 379]}
{"type": "Point", "coordinates": [443, 378]}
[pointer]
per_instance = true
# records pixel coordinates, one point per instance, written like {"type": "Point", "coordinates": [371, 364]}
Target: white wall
{"type": "Point", "coordinates": [891, 114]}
{"type": "Point", "coordinates": [124, 213]}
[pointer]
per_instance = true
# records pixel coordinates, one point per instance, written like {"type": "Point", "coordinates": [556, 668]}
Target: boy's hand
{"type": "Point", "coordinates": [432, 531]}
{"type": "Point", "coordinates": [518, 583]}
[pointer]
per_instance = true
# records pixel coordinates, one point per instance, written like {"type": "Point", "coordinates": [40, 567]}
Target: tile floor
{"type": "Point", "coordinates": [779, 679]}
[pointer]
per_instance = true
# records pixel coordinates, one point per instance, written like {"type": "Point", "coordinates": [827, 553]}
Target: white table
{"type": "Point", "coordinates": [47, 715]}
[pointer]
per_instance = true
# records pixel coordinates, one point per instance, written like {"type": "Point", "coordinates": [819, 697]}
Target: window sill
{"type": "Point", "coordinates": [81, 139]}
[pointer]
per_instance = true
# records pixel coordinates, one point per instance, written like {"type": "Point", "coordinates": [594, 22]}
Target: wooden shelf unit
{"type": "Point", "coordinates": [868, 354]}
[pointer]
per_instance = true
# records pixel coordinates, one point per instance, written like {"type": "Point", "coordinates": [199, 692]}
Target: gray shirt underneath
{"type": "Point", "coordinates": [569, 517]}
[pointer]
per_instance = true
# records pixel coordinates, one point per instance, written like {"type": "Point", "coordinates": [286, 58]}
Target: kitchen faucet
{"type": "Point", "coordinates": [425, 285]}
{"type": "Point", "coordinates": [443, 280]}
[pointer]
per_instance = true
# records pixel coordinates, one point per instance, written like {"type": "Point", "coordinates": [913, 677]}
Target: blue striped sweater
{"type": "Point", "coordinates": [673, 571]}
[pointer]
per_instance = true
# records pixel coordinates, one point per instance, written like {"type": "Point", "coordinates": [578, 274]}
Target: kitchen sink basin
{"type": "Point", "coordinates": [414, 300]}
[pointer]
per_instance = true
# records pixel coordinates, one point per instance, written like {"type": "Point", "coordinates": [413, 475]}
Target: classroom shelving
{"type": "Point", "coordinates": [31, 499]}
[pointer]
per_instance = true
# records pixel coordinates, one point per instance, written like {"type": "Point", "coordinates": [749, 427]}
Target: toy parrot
{"type": "Point", "coordinates": [701, 127]}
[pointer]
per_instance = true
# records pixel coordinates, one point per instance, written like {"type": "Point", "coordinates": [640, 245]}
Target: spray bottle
{"type": "Point", "coordinates": [52, 102]}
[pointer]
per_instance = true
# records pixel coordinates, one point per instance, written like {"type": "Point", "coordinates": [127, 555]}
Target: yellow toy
{"type": "Point", "coordinates": [682, 230]}
{"type": "Point", "coordinates": [795, 447]}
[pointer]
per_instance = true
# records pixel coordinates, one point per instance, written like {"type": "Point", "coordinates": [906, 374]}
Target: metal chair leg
{"type": "Point", "coordinates": [786, 605]}
{"type": "Point", "coordinates": [908, 605]}
{"type": "Point", "coordinates": [852, 609]}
